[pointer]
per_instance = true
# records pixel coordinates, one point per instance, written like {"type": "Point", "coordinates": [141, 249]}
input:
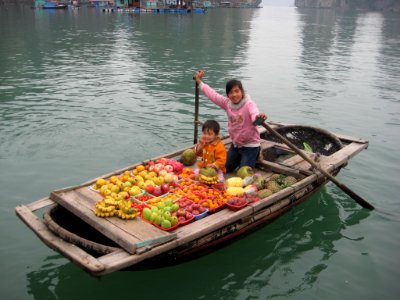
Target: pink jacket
{"type": "Point", "coordinates": [240, 117]}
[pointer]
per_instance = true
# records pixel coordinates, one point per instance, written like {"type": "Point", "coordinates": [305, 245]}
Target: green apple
{"type": "Point", "coordinates": [166, 224]}
{"type": "Point", "coordinates": [158, 220]}
{"type": "Point", "coordinates": [169, 202]}
{"type": "Point", "coordinates": [146, 213]}
{"type": "Point", "coordinates": [153, 216]}
{"type": "Point", "coordinates": [175, 207]}
{"type": "Point", "coordinates": [174, 220]}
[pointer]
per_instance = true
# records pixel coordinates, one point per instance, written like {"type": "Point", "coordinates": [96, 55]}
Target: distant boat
{"type": "Point", "coordinates": [54, 6]}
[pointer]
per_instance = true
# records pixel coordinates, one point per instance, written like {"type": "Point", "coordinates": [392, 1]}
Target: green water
{"type": "Point", "coordinates": [83, 93]}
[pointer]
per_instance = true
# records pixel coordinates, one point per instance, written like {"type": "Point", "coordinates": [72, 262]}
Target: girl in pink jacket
{"type": "Point", "coordinates": [242, 112]}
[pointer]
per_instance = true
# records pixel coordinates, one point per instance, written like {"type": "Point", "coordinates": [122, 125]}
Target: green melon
{"type": "Point", "coordinates": [244, 172]}
{"type": "Point", "coordinates": [208, 171]}
{"type": "Point", "coordinates": [188, 157]}
{"type": "Point", "coordinates": [289, 181]}
{"type": "Point", "coordinates": [273, 186]}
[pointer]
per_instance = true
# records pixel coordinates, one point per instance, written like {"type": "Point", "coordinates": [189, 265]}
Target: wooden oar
{"type": "Point", "coordinates": [344, 188]}
{"type": "Point", "coordinates": [196, 113]}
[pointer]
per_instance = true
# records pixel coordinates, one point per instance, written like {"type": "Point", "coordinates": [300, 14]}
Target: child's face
{"type": "Point", "coordinates": [209, 136]}
{"type": "Point", "coordinates": [235, 94]}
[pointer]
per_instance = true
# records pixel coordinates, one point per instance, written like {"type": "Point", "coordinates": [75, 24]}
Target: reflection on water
{"type": "Point", "coordinates": [114, 75]}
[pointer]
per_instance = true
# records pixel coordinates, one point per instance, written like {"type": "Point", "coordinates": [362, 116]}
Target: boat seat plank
{"type": "Point", "coordinates": [279, 168]}
{"type": "Point", "coordinates": [129, 234]}
{"type": "Point", "coordinates": [341, 157]}
{"type": "Point", "coordinates": [44, 202]}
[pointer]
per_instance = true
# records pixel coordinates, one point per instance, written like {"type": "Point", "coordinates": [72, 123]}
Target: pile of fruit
{"type": "Point", "coordinates": [167, 194]}
{"type": "Point", "coordinates": [110, 207]}
{"type": "Point", "coordinates": [161, 214]}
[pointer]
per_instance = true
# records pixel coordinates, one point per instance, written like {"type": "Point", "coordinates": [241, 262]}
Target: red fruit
{"type": "Point", "coordinates": [189, 215]}
{"type": "Point", "coordinates": [157, 191]}
{"type": "Point", "coordinates": [195, 212]}
{"type": "Point", "coordinates": [165, 188]}
{"type": "Point", "coordinates": [181, 212]}
{"type": "Point", "coordinates": [150, 189]}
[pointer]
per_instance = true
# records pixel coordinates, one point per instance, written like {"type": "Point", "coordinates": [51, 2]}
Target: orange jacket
{"type": "Point", "coordinates": [214, 153]}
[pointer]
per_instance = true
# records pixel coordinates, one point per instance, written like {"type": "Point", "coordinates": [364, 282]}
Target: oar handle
{"type": "Point", "coordinates": [352, 194]}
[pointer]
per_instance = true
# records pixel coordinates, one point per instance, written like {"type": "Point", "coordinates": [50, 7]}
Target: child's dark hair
{"type": "Point", "coordinates": [232, 83]}
{"type": "Point", "coordinates": [211, 124]}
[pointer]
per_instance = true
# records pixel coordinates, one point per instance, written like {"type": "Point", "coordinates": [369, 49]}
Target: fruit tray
{"type": "Point", "coordinates": [216, 209]}
{"type": "Point", "coordinates": [251, 198]}
{"type": "Point", "coordinates": [219, 187]}
{"type": "Point", "coordinates": [158, 226]}
{"type": "Point", "coordinates": [167, 229]}
{"type": "Point", "coordinates": [92, 188]}
{"type": "Point", "coordinates": [143, 198]}
{"type": "Point", "coordinates": [183, 202]}
{"type": "Point", "coordinates": [183, 223]}
{"type": "Point", "coordinates": [236, 207]}
{"type": "Point", "coordinates": [201, 215]}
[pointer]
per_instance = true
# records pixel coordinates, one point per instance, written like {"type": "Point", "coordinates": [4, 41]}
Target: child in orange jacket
{"type": "Point", "coordinates": [211, 149]}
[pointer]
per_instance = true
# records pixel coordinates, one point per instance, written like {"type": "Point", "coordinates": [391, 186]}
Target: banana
{"type": "Point", "coordinates": [208, 180]}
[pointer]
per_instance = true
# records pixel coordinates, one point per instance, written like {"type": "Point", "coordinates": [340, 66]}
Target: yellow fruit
{"type": "Point", "coordinates": [103, 189]}
{"type": "Point", "coordinates": [140, 168]}
{"type": "Point", "coordinates": [124, 178]}
{"type": "Point", "coordinates": [153, 174]}
{"type": "Point", "coordinates": [127, 184]}
{"type": "Point", "coordinates": [159, 180]}
{"type": "Point", "coordinates": [100, 182]}
{"type": "Point", "coordinates": [234, 182]}
{"type": "Point", "coordinates": [113, 179]}
{"type": "Point", "coordinates": [149, 182]}
{"type": "Point", "coordinates": [115, 189]}
{"type": "Point", "coordinates": [135, 190]}
{"type": "Point", "coordinates": [123, 195]}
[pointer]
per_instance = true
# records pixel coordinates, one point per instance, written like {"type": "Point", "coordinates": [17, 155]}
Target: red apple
{"type": "Point", "coordinates": [181, 212]}
{"type": "Point", "coordinates": [157, 191]}
{"type": "Point", "coordinates": [165, 188]}
{"type": "Point", "coordinates": [169, 168]}
{"type": "Point", "coordinates": [150, 188]}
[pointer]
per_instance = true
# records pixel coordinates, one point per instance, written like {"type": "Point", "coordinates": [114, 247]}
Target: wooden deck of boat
{"type": "Point", "coordinates": [140, 240]}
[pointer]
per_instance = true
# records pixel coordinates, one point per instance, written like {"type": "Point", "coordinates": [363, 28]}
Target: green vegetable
{"type": "Point", "coordinates": [307, 147]}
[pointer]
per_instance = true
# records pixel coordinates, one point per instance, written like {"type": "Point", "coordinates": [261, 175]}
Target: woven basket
{"type": "Point", "coordinates": [321, 141]}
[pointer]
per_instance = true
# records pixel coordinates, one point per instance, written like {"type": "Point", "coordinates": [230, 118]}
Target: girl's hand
{"type": "Point", "coordinates": [262, 116]}
{"type": "Point", "coordinates": [198, 76]}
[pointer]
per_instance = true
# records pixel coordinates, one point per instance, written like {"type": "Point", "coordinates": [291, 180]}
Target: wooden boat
{"type": "Point", "coordinates": [104, 245]}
